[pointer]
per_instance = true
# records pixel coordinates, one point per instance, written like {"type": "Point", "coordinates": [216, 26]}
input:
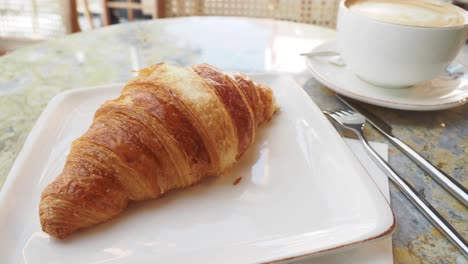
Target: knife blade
{"type": "Point", "coordinates": [452, 186]}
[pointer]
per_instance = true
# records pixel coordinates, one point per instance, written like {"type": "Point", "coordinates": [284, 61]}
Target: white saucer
{"type": "Point", "coordinates": [448, 90]}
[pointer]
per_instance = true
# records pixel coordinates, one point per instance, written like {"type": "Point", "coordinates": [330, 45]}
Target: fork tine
{"type": "Point", "coordinates": [329, 113]}
{"type": "Point", "coordinates": [349, 112]}
{"type": "Point", "coordinates": [335, 117]}
{"type": "Point", "coordinates": [343, 113]}
{"type": "Point", "coordinates": [339, 113]}
{"type": "Point", "coordinates": [326, 112]}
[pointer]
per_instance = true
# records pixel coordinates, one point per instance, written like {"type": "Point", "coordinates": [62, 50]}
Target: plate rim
{"type": "Point", "coordinates": [371, 100]}
{"type": "Point", "coordinates": [40, 124]}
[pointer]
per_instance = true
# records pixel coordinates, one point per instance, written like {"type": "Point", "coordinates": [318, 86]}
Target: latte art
{"type": "Point", "coordinates": [421, 13]}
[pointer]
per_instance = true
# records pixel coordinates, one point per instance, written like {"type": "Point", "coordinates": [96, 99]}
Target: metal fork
{"type": "Point", "coordinates": [355, 122]}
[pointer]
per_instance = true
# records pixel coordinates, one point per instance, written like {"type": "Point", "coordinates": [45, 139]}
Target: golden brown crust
{"type": "Point", "coordinates": [170, 127]}
{"type": "Point", "coordinates": [163, 105]}
{"type": "Point", "coordinates": [248, 88]}
{"type": "Point", "coordinates": [235, 102]}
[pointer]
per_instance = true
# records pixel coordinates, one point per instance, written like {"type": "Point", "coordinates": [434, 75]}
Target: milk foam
{"type": "Point", "coordinates": [421, 13]}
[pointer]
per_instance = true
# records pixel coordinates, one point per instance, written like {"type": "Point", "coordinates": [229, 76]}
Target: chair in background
{"type": "Point", "coordinates": [318, 12]}
{"type": "Point", "coordinates": [87, 12]}
{"type": "Point", "coordinates": [149, 7]}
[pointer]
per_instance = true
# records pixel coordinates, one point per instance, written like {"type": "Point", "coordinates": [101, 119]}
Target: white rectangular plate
{"type": "Point", "coordinates": [302, 192]}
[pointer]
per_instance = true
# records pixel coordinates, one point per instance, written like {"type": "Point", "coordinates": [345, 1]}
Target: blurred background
{"type": "Point", "coordinates": [23, 22]}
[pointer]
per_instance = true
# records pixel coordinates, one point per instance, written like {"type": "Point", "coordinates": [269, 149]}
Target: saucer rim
{"type": "Point", "coordinates": [372, 100]}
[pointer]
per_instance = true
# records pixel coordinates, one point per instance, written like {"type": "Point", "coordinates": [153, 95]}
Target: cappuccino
{"type": "Point", "coordinates": [419, 13]}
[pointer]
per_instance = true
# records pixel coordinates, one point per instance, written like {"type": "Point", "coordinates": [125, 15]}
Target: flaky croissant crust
{"type": "Point", "coordinates": [170, 127]}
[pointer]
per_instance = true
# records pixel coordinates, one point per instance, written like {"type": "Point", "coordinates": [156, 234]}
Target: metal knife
{"type": "Point", "coordinates": [452, 186]}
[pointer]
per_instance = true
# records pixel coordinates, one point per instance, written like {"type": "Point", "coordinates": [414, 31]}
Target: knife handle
{"type": "Point", "coordinates": [447, 182]}
{"type": "Point", "coordinates": [436, 219]}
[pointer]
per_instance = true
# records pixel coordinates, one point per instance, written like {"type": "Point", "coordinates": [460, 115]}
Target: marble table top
{"type": "Point", "coordinates": [31, 76]}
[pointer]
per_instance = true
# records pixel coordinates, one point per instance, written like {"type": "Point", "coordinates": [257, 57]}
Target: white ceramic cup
{"type": "Point", "coordinates": [392, 55]}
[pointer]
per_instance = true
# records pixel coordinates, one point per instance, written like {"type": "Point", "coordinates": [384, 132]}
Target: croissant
{"type": "Point", "coordinates": [170, 127]}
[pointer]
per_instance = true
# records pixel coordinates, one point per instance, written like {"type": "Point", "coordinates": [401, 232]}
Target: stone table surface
{"type": "Point", "coordinates": [31, 76]}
